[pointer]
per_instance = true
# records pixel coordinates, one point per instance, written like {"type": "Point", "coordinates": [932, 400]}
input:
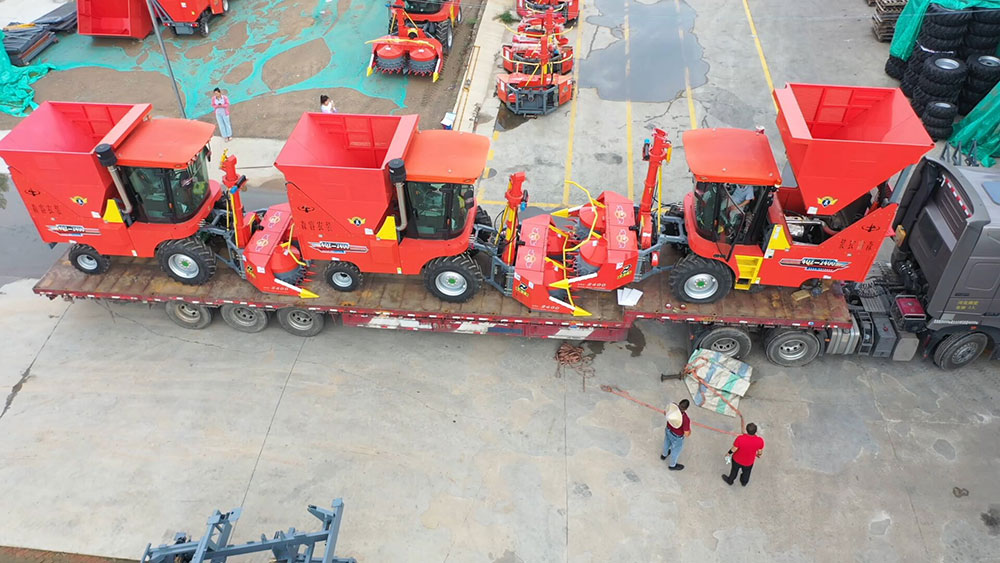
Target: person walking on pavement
{"type": "Point", "coordinates": [678, 427]}
{"type": "Point", "coordinates": [220, 103]}
{"type": "Point", "coordinates": [746, 449]}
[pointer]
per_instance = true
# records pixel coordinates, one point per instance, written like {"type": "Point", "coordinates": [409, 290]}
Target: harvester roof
{"type": "Point", "coordinates": [164, 143]}
{"type": "Point", "coordinates": [730, 155]}
{"type": "Point", "coordinates": [447, 156]}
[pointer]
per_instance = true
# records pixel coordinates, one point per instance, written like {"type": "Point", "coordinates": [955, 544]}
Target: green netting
{"type": "Point", "coordinates": [912, 17]}
{"type": "Point", "coordinates": [16, 94]}
{"type": "Point", "coordinates": [982, 125]}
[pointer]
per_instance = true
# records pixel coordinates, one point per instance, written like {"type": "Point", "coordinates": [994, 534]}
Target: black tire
{"type": "Point", "coordinates": [454, 279]}
{"type": "Point", "coordinates": [343, 276]}
{"type": "Point", "coordinates": [939, 133]}
{"type": "Point", "coordinates": [930, 121]}
{"type": "Point", "coordinates": [908, 83]}
{"type": "Point", "coordinates": [981, 43]}
{"type": "Point", "coordinates": [932, 88]}
{"type": "Point", "coordinates": [943, 16]}
{"type": "Point", "coordinates": [944, 70]}
{"type": "Point", "coordinates": [791, 348]}
{"type": "Point", "coordinates": [960, 350]}
{"type": "Point", "coordinates": [895, 67]}
{"type": "Point", "coordinates": [982, 29]}
{"type": "Point", "coordinates": [941, 110]}
{"type": "Point", "coordinates": [458, 16]}
{"type": "Point", "coordinates": [203, 27]}
{"type": "Point", "coordinates": [731, 341]}
{"type": "Point", "coordinates": [188, 260]}
{"type": "Point", "coordinates": [445, 34]}
{"type": "Point", "coordinates": [243, 317]}
{"type": "Point", "coordinates": [979, 86]}
{"type": "Point", "coordinates": [301, 322]}
{"type": "Point", "coordinates": [986, 15]}
{"type": "Point", "coordinates": [938, 44]}
{"type": "Point", "coordinates": [984, 67]}
{"type": "Point", "coordinates": [699, 280]}
{"type": "Point", "coordinates": [966, 105]}
{"type": "Point", "coordinates": [483, 219]}
{"type": "Point", "coordinates": [934, 29]}
{"type": "Point", "coordinates": [88, 260]}
{"type": "Point", "coordinates": [189, 315]}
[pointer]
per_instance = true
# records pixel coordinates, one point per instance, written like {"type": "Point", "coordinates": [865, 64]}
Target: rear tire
{"type": "Point", "coordinates": [88, 260]}
{"type": "Point", "coordinates": [454, 279]}
{"type": "Point", "coordinates": [189, 315]}
{"type": "Point", "coordinates": [343, 276]}
{"type": "Point", "coordinates": [188, 260]}
{"type": "Point", "coordinates": [791, 348]}
{"type": "Point", "coordinates": [445, 35]}
{"type": "Point", "coordinates": [203, 28]}
{"type": "Point", "coordinates": [244, 318]}
{"type": "Point", "coordinates": [301, 322]}
{"type": "Point", "coordinates": [731, 341]}
{"type": "Point", "coordinates": [959, 350]}
{"type": "Point", "coordinates": [699, 280]}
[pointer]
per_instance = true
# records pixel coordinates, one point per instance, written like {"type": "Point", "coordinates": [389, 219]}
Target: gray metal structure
{"type": "Point", "coordinates": [286, 547]}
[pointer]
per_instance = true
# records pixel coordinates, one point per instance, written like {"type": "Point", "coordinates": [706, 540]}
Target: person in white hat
{"type": "Point", "coordinates": [678, 428]}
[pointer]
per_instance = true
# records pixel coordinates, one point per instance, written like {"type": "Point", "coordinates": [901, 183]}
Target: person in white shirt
{"type": "Point", "coordinates": [326, 104]}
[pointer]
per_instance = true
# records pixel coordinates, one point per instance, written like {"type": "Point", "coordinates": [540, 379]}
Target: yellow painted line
{"type": "Point", "coordinates": [630, 174]}
{"type": "Point", "coordinates": [690, 98]}
{"type": "Point", "coordinates": [760, 53]}
{"type": "Point", "coordinates": [489, 155]}
{"type": "Point", "coordinates": [531, 204]}
{"type": "Point", "coordinates": [486, 174]}
{"type": "Point", "coordinates": [572, 108]}
{"type": "Point", "coordinates": [496, 135]}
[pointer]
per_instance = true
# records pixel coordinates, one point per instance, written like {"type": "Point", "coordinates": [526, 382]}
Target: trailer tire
{"type": "Point", "coordinates": [699, 280]}
{"type": "Point", "coordinates": [189, 261]}
{"type": "Point", "coordinates": [936, 89]}
{"type": "Point", "coordinates": [985, 43]}
{"type": "Point", "coordinates": [941, 110]}
{"type": "Point", "coordinates": [934, 29]}
{"type": "Point", "coordinates": [343, 276]}
{"type": "Point", "coordinates": [454, 279]}
{"type": "Point", "coordinates": [944, 70]}
{"type": "Point", "coordinates": [730, 341]}
{"type": "Point", "coordinates": [895, 67]}
{"type": "Point", "coordinates": [984, 67]}
{"type": "Point", "coordinates": [936, 122]}
{"type": "Point", "coordinates": [987, 15]}
{"type": "Point", "coordinates": [244, 318]}
{"type": "Point", "coordinates": [301, 322]}
{"type": "Point", "coordinates": [939, 133]}
{"type": "Point", "coordinates": [944, 16]}
{"type": "Point", "coordinates": [791, 348]}
{"type": "Point", "coordinates": [194, 316]}
{"type": "Point", "coordinates": [88, 260]}
{"type": "Point", "coordinates": [960, 350]}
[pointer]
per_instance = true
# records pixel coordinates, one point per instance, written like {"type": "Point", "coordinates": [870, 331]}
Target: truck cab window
{"type": "Point", "coordinates": [169, 195]}
{"type": "Point", "coordinates": [437, 210]}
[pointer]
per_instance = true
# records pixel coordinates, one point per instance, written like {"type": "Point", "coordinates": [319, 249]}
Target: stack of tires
{"type": "Point", "coordinates": [983, 33]}
{"type": "Point", "coordinates": [936, 94]}
{"type": "Point", "coordinates": [983, 75]}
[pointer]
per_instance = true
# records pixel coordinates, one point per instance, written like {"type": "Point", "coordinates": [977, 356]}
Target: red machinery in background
{"type": "Point", "coordinates": [568, 9]}
{"type": "Point", "coordinates": [537, 89]}
{"type": "Point", "coordinates": [130, 18]}
{"type": "Point", "coordinates": [437, 18]}
{"type": "Point", "coordinates": [408, 49]}
{"type": "Point", "coordinates": [523, 53]}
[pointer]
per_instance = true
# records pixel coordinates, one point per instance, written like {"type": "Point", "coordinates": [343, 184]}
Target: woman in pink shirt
{"type": "Point", "coordinates": [220, 104]}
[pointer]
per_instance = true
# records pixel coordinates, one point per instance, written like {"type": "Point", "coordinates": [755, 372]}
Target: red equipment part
{"type": "Point", "coordinates": [186, 16]}
{"type": "Point", "coordinates": [409, 51]}
{"type": "Point", "coordinates": [541, 91]}
{"type": "Point", "coordinates": [568, 9]}
{"type": "Point", "coordinates": [437, 18]}
{"type": "Point", "coordinates": [113, 18]}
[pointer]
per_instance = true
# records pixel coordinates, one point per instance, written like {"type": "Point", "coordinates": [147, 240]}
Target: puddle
{"type": "Point", "coordinates": [635, 341]}
{"type": "Point", "coordinates": [507, 120]}
{"type": "Point", "coordinates": [657, 53]}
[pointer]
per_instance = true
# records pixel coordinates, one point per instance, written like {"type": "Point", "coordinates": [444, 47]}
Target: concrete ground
{"type": "Point", "coordinates": [121, 428]}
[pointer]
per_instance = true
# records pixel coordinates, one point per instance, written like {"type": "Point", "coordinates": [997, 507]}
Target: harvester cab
{"type": "Point", "coordinates": [408, 49]}
{"type": "Point", "coordinates": [824, 218]}
{"type": "Point", "coordinates": [372, 194]}
{"type": "Point", "coordinates": [568, 9]}
{"type": "Point", "coordinates": [437, 18]}
{"type": "Point", "coordinates": [536, 84]}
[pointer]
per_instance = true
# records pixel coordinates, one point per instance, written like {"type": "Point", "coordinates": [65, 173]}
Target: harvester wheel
{"type": "Point", "coordinates": [455, 279]}
{"type": "Point", "coordinates": [225, 6]}
{"type": "Point", "coordinates": [791, 348]}
{"type": "Point", "coordinates": [244, 318]}
{"type": "Point", "coordinates": [699, 280]}
{"type": "Point", "coordinates": [445, 35]}
{"type": "Point", "coordinates": [188, 260]}
{"type": "Point", "coordinates": [301, 322]}
{"type": "Point", "coordinates": [731, 341]}
{"type": "Point", "coordinates": [189, 315]}
{"type": "Point", "coordinates": [959, 350]}
{"type": "Point", "coordinates": [203, 28]}
{"type": "Point", "coordinates": [458, 16]}
{"type": "Point", "coordinates": [343, 276]}
{"type": "Point", "coordinates": [88, 260]}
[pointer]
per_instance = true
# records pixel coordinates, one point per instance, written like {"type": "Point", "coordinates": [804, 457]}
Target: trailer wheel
{"type": "Point", "coordinates": [791, 348]}
{"type": "Point", "coordinates": [88, 260]}
{"type": "Point", "coordinates": [244, 318]}
{"type": "Point", "coordinates": [188, 260]}
{"type": "Point", "coordinates": [731, 341]}
{"type": "Point", "coordinates": [301, 322]}
{"type": "Point", "coordinates": [454, 279]}
{"type": "Point", "coordinates": [944, 70]}
{"type": "Point", "coordinates": [343, 276]}
{"type": "Point", "coordinates": [189, 315]}
{"type": "Point", "coordinates": [699, 280]}
{"type": "Point", "coordinates": [960, 350]}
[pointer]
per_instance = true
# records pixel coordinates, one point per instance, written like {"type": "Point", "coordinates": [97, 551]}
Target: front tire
{"type": "Point", "coordinates": [189, 261]}
{"type": "Point", "coordinates": [343, 276]}
{"type": "Point", "coordinates": [189, 315]}
{"type": "Point", "coordinates": [959, 350]}
{"type": "Point", "coordinates": [88, 260]}
{"type": "Point", "coordinates": [454, 279]}
{"type": "Point", "coordinates": [445, 35]}
{"type": "Point", "coordinates": [244, 318]}
{"type": "Point", "coordinates": [699, 280]}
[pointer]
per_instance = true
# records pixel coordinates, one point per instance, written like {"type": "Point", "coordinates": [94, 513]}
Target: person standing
{"type": "Point", "coordinates": [326, 104]}
{"type": "Point", "coordinates": [678, 427]}
{"type": "Point", "coordinates": [746, 449]}
{"type": "Point", "coordinates": [220, 103]}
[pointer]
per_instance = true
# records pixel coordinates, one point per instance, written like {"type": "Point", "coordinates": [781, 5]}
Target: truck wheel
{"type": "Point", "coordinates": [343, 276]}
{"type": "Point", "coordinates": [189, 315]}
{"type": "Point", "coordinates": [791, 348]}
{"type": "Point", "coordinates": [454, 279]}
{"type": "Point", "coordinates": [244, 318]}
{"type": "Point", "coordinates": [727, 340]}
{"type": "Point", "coordinates": [88, 260]}
{"type": "Point", "coordinates": [301, 322]}
{"type": "Point", "coordinates": [699, 280]}
{"type": "Point", "coordinates": [188, 260]}
{"type": "Point", "coordinates": [959, 350]}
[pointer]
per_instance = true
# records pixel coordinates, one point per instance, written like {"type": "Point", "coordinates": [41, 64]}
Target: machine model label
{"type": "Point", "coordinates": [816, 264]}
{"type": "Point", "coordinates": [328, 247]}
{"type": "Point", "coordinates": [79, 200]}
{"type": "Point", "coordinates": [625, 271]}
{"type": "Point", "coordinates": [827, 201]}
{"type": "Point", "coordinates": [357, 221]}
{"type": "Point", "coordinates": [72, 230]}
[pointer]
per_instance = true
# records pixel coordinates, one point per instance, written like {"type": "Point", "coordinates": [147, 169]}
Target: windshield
{"type": "Point", "coordinates": [423, 6]}
{"type": "Point", "coordinates": [720, 210]}
{"type": "Point", "coordinates": [169, 195]}
{"type": "Point", "coordinates": [190, 186]}
{"type": "Point", "coordinates": [438, 210]}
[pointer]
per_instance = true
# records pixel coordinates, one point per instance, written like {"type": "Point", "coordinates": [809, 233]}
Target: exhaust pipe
{"type": "Point", "coordinates": [107, 157]}
{"type": "Point", "coordinates": [397, 175]}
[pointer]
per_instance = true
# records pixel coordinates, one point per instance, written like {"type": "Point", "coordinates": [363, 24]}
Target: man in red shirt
{"type": "Point", "coordinates": [673, 436]}
{"type": "Point", "coordinates": [746, 449]}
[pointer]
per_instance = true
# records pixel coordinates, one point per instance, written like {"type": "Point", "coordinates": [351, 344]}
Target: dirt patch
{"type": "Point", "coordinates": [296, 64]}
{"type": "Point", "coordinates": [235, 38]}
{"type": "Point", "coordinates": [21, 555]}
{"type": "Point", "coordinates": [239, 73]}
{"type": "Point", "coordinates": [200, 51]}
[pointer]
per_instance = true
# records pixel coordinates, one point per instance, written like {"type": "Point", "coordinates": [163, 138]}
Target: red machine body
{"type": "Point", "coordinates": [568, 9]}
{"type": "Point", "coordinates": [523, 53]}
{"type": "Point", "coordinates": [541, 90]}
{"type": "Point", "coordinates": [346, 208]}
{"type": "Point", "coordinates": [71, 197]}
{"type": "Point", "coordinates": [407, 50]}
{"type": "Point", "coordinates": [130, 18]}
{"type": "Point", "coordinates": [437, 18]}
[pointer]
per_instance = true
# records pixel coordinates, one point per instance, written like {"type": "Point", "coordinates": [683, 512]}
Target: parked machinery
{"type": "Point", "coordinates": [568, 9]}
{"type": "Point", "coordinates": [130, 18]}
{"type": "Point", "coordinates": [523, 53]}
{"type": "Point", "coordinates": [437, 18]}
{"type": "Point", "coordinates": [408, 49]}
{"type": "Point", "coordinates": [537, 88]}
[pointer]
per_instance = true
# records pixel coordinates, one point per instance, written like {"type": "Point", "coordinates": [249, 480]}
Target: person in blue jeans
{"type": "Point", "coordinates": [678, 427]}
